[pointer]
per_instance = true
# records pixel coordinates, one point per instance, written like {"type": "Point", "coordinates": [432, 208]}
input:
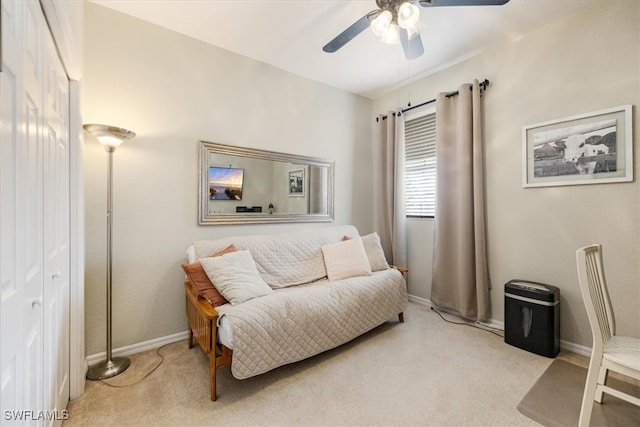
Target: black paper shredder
{"type": "Point", "coordinates": [532, 317]}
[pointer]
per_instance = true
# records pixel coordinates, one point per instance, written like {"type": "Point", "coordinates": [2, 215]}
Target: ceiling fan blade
{"type": "Point", "coordinates": [412, 47]}
{"type": "Point", "coordinates": [441, 3]}
{"type": "Point", "coordinates": [347, 35]}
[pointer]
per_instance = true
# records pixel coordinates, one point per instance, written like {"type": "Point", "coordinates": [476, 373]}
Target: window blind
{"type": "Point", "coordinates": [420, 166]}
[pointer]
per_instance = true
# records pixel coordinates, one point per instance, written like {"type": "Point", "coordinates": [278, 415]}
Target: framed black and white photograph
{"type": "Point", "coordinates": [593, 148]}
{"type": "Point", "coordinates": [296, 183]}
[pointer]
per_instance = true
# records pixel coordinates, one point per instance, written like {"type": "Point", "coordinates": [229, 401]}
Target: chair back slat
{"type": "Point", "coordinates": [594, 291]}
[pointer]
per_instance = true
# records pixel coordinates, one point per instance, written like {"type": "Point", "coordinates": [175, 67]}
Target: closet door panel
{"type": "Point", "coordinates": [29, 214]}
{"type": "Point", "coordinates": [56, 230]}
{"type": "Point", "coordinates": [11, 294]}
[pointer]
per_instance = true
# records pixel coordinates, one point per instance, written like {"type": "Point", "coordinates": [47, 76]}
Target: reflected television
{"type": "Point", "coordinates": [225, 183]}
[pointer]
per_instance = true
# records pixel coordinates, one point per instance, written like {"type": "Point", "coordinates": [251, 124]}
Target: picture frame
{"type": "Point", "coordinates": [592, 148]}
{"type": "Point", "coordinates": [296, 183]}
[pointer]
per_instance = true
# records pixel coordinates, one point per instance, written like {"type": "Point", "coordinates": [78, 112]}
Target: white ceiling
{"type": "Point", "coordinates": [290, 34]}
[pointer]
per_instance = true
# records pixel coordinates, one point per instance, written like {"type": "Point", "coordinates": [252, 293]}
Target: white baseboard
{"type": "Point", "coordinates": [575, 348]}
{"type": "Point", "coordinates": [497, 324]}
{"type": "Point", "coordinates": [492, 323]}
{"type": "Point", "coordinates": [139, 347]}
{"type": "Point", "coordinates": [420, 300]}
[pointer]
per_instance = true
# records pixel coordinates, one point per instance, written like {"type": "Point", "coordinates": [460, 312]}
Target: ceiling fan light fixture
{"type": "Point", "coordinates": [408, 14]}
{"type": "Point", "coordinates": [399, 21]}
{"type": "Point", "coordinates": [392, 36]}
{"type": "Point", "coordinates": [381, 24]}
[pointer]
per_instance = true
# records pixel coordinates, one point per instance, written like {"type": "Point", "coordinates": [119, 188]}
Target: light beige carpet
{"type": "Point", "coordinates": [423, 372]}
{"type": "Point", "coordinates": [555, 399]}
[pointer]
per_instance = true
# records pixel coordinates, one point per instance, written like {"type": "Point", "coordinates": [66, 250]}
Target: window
{"type": "Point", "coordinates": [420, 165]}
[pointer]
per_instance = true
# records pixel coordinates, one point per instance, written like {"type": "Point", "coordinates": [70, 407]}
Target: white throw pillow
{"type": "Point", "coordinates": [235, 276]}
{"type": "Point", "coordinates": [375, 254]}
{"type": "Point", "coordinates": [346, 259]}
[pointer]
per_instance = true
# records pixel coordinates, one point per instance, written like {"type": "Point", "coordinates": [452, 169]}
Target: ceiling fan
{"type": "Point", "coordinates": [397, 21]}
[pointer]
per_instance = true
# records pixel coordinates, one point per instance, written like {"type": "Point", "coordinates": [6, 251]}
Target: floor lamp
{"type": "Point", "coordinates": [110, 137]}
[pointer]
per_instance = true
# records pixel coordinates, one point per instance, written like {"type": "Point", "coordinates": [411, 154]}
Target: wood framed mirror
{"type": "Point", "coordinates": [239, 185]}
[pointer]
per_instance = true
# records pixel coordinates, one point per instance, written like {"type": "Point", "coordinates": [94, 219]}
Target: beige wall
{"type": "Point", "coordinates": [173, 91]}
{"type": "Point", "coordinates": [588, 62]}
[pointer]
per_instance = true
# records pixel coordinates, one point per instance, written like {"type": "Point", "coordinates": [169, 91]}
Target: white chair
{"type": "Point", "coordinates": [610, 352]}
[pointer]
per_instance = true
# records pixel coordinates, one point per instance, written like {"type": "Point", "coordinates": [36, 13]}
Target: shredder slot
{"type": "Point", "coordinates": [529, 285]}
{"type": "Point", "coordinates": [531, 300]}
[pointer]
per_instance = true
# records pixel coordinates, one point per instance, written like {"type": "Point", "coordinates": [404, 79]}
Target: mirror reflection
{"type": "Point", "coordinates": [246, 185]}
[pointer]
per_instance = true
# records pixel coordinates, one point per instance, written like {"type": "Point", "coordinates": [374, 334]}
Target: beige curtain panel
{"type": "Point", "coordinates": [391, 224]}
{"type": "Point", "coordinates": [460, 272]}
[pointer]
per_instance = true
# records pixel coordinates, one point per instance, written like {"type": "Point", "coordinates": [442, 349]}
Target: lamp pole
{"type": "Point", "coordinates": [110, 151]}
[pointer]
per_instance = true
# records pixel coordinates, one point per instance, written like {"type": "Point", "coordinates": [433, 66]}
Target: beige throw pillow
{"type": "Point", "coordinates": [236, 277]}
{"type": "Point", "coordinates": [373, 249]}
{"type": "Point", "coordinates": [346, 259]}
{"type": "Point", "coordinates": [375, 254]}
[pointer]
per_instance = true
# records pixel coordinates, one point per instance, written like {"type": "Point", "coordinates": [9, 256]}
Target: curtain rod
{"type": "Point", "coordinates": [483, 85]}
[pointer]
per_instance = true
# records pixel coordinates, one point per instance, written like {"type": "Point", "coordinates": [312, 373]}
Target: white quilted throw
{"type": "Point", "coordinates": [305, 320]}
{"type": "Point", "coordinates": [284, 259]}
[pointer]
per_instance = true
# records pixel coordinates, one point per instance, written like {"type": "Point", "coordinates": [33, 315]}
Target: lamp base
{"type": "Point", "coordinates": [108, 368]}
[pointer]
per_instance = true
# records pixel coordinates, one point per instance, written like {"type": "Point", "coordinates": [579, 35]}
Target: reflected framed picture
{"type": "Point", "coordinates": [593, 148]}
{"type": "Point", "coordinates": [225, 183]}
{"type": "Point", "coordinates": [296, 183]}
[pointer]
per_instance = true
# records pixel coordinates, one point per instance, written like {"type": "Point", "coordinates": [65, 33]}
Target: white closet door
{"type": "Point", "coordinates": [34, 182]}
{"type": "Point", "coordinates": [56, 229]}
{"type": "Point", "coordinates": [29, 212]}
{"type": "Point", "coordinates": [12, 297]}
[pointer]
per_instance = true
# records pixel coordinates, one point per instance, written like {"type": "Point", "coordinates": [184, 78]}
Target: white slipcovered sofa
{"type": "Point", "coordinates": [287, 296]}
